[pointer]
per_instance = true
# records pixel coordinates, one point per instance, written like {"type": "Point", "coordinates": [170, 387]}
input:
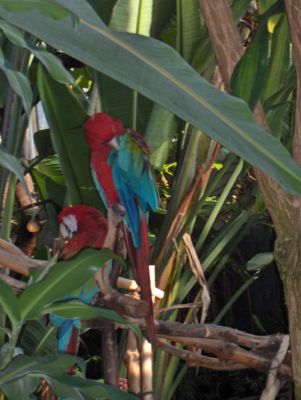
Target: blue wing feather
{"type": "Point", "coordinates": [65, 326]}
{"type": "Point", "coordinates": [132, 217]}
{"type": "Point", "coordinates": [99, 188]}
{"type": "Point", "coordinates": [134, 183]}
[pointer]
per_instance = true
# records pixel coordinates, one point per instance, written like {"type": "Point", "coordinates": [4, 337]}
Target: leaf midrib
{"type": "Point", "coordinates": [107, 33]}
{"type": "Point", "coordinates": [50, 286]}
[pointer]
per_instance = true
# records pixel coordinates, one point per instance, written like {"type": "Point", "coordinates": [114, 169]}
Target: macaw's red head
{"type": "Point", "coordinates": [83, 226]}
{"type": "Point", "coordinates": [101, 128]}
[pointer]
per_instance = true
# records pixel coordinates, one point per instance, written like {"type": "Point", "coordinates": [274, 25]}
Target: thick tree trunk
{"type": "Point", "coordinates": [285, 210]}
{"type": "Point", "coordinates": [288, 250]}
{"type": "Point", "coordinates": [294, 20]}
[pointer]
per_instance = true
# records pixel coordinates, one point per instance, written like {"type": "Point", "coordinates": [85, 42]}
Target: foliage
{"type": "Point", "coordinates": [20, 374]}
{"type": "Point", "coordinates": [164, 91]}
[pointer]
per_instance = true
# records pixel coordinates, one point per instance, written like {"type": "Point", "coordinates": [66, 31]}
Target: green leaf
{"type": "Point", "coordinates": [279, 61]}
{"type": "Point", "coordinates": [132, 16]}
{"type": "Point", "coordinates": [22, 388]}
{"type": "Point", "coordinates": [9, 303]}
{"type": "Point", "coordinates": [50, 191]}
{"type": "Point", "coordinates": [13, 34]}
{"type": "Point", "coordinates": [53, 65]}
{"type": "Point", "coordinates": [50, 167]}
{"type": "Point", "coordinates": [49, 8]}
{"type": "Point", "coordinates": [161, 128]}
{"type": "Point", "coordinates": [37, 339]}
{"type": "Point", "coordinates": [64, 277]}
{"type": "Point", "coordinates": [78, 310]}
{"type": "Point", "coordinates": [219, 204]}
{"type": "Point", "coordinates": [279, 105]}
{"type": "Point", "coordinates": [19, 82]}
{"type": "Point", "coordinates": [42, 141]}
{"type": "Point", "coordinates": [66, 117]}
{"type": "Point", "coordinates": [188, 27]}
{"type": "Point", "coordinates": [24, 365]}
{"type": "Point", "coordinates": [170, 82]}
{"type": "Point", "coordinates": [3, 88]}
{"type": "Point", "coordinates": [11, 163]}
{"type": "Point", "coordinates": [49, 181]}
{"type": "Point", "coordinates": [147, 17]}
{"type": "Point", "coordinates": [103, 8]}
{"type": "Point", "coordinates": [249, 74]}
{"type": "Point", "coordinates": [117, 99]}
{"type": "Point", "coordinates": [259, 261]}
{"type": "Point", "coordinates": [264, 5]}
{"type": "Point", "coordinates": [280, 82]}
{"type": "Point", "coordinates": [78, 389]}
{"type": "Point", "coordinates": [239, 8]}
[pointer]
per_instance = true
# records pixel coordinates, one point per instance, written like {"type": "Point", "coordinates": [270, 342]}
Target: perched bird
{"type": "Point", "coordinates": [123, 176]}
{"type": "Point", "coordinates": [83, 226]}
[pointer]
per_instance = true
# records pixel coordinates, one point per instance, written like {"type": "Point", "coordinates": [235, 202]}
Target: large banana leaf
{"type": "Point", "coordinates": [49, 60]}
{"type": "Point", "coordinates": [117, 99]}
{"type": "Point", "coordinates": [72, 387]}
{"type": "Point", "coordinates": [156, 70]}
{"type": "Point", "coordinates": [66, 116]}
{"type": "Point", "coordinates": [9, 303]}
{"type": "Point", "coordinates": [23, 365]}
{"type": "Point", "coordinates": [11, 163]}
{"type": "Point", "coordinates": [18, 81]}
{"type": "Point", "coordinates": [52, 368]}
{"type": "Point", "coordinates": [188, 27]}
{"type": "Point", "coordinates": [77, 310]}
{"type": "Point", "coordinates": [64, 277]}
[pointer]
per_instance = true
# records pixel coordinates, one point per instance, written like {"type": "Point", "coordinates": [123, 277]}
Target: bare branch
{"type": "Point", "coordinates": [273, 384]}
{"type": "Point", "coordinates": [197, 270]}
{"type": "Point", "coordinates": [198, 360]}
{"type": "Point", "coordinates": [14, 283]}
{"type": "Point", "coordinates": [219, 332]}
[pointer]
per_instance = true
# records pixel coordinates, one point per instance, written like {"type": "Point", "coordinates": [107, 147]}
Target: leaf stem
{"type": "Point", "coordinates": [11, 346]}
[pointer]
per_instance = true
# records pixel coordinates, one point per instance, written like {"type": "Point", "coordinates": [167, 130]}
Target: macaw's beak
{"type": "Point", "coordinates": [59, 247]}
{"type": "Point", "coordinates": [66, 235]}
{"type": "Point", "coordinates": [114, 143]}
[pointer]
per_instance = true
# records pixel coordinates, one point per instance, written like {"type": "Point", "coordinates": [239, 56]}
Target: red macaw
{"type": "Point", "coordinates": [124, 179]}
{"type": "Point", "coordinates": [84, 226]}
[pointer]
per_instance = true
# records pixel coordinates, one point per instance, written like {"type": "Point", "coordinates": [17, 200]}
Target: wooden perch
{"type": "Point", "coordinates": [13, 258]}
{"type": "Point", "coordinates": [273, 384]}
{"type": "Point", "coordinates": [17, 285]}
{"type": "Point", "coordinates": [124, 305]}
{"type": "Point", "coordinates": [132, 286]}
{"type": "Point", "coordinates": [226, 348]}
{"type": "Point", "coordinates": [219, 332]}
{"type": "Point", "coordinates": [13, 262]}
{"type": "Point", "coordinates": [198, 360]}
{"type": "Point", "coordinates": [132, 362]}
{"type": "Point", "coordinates": [221, 348]}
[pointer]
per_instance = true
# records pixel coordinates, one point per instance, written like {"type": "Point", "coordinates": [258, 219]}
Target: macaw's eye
{"type": "Point", "coordinates": [65, 231]}
{"type": "Point", "coordinates": [68, 227]}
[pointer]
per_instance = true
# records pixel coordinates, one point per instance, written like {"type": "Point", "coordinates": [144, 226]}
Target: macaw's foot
{"type": "Point", "coordinates": [123, 384]}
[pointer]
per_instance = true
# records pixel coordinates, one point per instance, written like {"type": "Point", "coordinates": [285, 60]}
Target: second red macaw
{"type": "Point", "coordinates": [124, 179]}
{"type": "Point", "coordinates": [83, 226]}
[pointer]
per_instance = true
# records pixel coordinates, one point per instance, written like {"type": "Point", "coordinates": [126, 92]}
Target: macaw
{"type": "Point", "coordinates": [84, 226]}
{"type": "Point", "coordinates": [123, 176]}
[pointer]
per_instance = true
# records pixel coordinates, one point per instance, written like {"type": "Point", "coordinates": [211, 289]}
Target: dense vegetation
{"type": "Point", "coordinates": [220, 174]}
